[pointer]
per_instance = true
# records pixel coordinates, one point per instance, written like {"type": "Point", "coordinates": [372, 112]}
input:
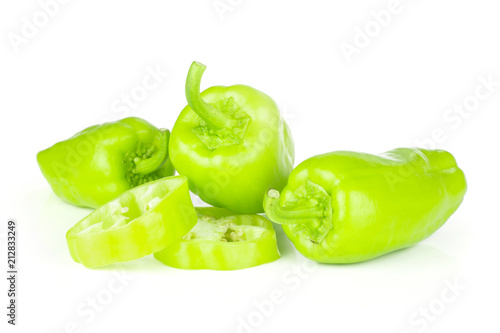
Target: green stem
{"type": "Point", "coordinates": [213, 117]}
{"type": "Point", "coordinates": [148, 165]}
{"type": "Point", "coordinates": [283, 216]}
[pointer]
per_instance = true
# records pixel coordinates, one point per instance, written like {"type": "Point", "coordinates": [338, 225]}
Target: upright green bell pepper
{"type": "Point", "coordinates": [346, 207]}
{"type": "Point", "coordinates": [101, 162]}
{"type": "Point", "coordinates": [231, 143]}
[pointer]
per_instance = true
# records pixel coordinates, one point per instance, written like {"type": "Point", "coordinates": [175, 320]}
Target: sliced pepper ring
{"type": "Point", "coordinates": [141, 221]}
{"type": "Point", "coordinates": [223, 240]}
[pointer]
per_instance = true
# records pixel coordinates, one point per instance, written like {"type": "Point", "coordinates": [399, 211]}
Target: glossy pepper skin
{"type": "Point", "coordinates": [97, 164]}
{"type": "Point", "coordinates": [231, 143]}
{"type": "Point", "coordinates": [347, 207]}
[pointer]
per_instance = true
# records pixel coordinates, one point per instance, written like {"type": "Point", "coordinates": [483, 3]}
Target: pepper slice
{"type": "Point", "coordinates": [223, 240]}
{"type": "Point", "coordinates": [141, 221]}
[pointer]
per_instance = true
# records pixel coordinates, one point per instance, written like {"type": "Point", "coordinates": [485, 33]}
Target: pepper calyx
{"type": "Point", "coordinates": [144, 160]}
{"type": "Point", "coordinates": [222, 122]}
{"type": "Point", "coordinates": [152, 163]}
{"type": "Point", "coordinates": [310, 216]}
{"type": "Point", "coordinates": [214, 138]}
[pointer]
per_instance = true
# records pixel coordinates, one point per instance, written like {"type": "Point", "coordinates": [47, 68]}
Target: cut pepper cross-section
{"type": "Point", "coordinates": [141, 221]}
{"type": "Point", "coordinates": [223, 240]}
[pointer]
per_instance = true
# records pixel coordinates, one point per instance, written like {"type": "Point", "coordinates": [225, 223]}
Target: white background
{"type": "Point", "coordinates": [394, 92]}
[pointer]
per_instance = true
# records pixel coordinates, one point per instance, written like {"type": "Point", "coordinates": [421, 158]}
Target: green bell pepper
{"type": "Point", "coordinates": [346, 207]}
{"type": "Point", "coordinates": [141, 221]}
{"type": "Point", "coordinates": [101, 162]}
{"type": "Point", "coordinates": [223, 240]}
{"type": "Point", "coordinates": [231, 143]}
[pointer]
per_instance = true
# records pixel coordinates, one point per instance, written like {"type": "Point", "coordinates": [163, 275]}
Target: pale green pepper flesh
{"type": "Point", "coordinates": [141, 221]}
{"type": "Point", "coordinates": [223, 240]}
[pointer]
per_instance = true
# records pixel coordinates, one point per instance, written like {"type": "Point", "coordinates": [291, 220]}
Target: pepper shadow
{"type": "Point", "coordinates": [286, 247]}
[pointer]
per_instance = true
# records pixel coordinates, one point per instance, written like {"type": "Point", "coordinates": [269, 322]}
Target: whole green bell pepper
{"type": "Point", "coordinates": [97, 164]}
{"type": "Point", "coordinates": [231, 143]}
{"type": "Point", "coordinates": [346, 207]}
{"type": "Point", "coordinates": [141, 221]}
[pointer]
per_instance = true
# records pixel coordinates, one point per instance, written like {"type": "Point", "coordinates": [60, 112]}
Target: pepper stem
{"type": "Point", "coordinates": [148, 165]}
{"type": "Point", "coordinates": [213, 117]}
{"type": "Point", "coordinates": [280, 215]}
